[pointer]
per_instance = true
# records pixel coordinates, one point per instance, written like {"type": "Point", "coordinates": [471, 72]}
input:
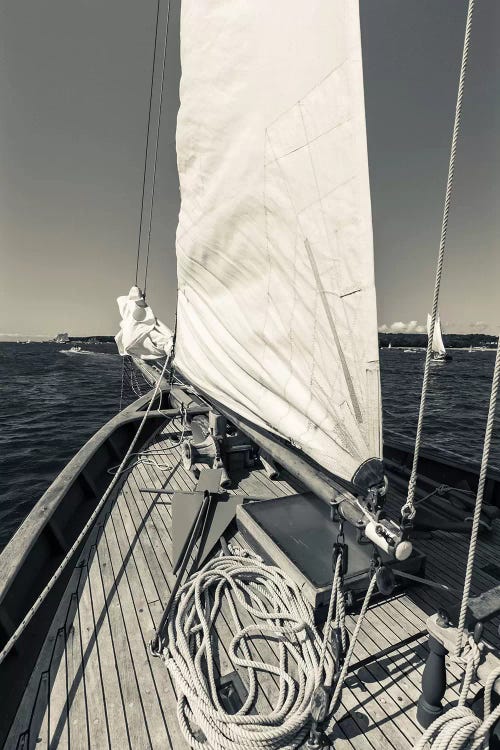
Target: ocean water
{"type": "Point", "coordinates": [52, 402]}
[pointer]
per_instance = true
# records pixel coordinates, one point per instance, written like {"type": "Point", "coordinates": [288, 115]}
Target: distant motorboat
{"type": "Point", "coordinates": [72, 350]}
{"type": "Point", "coordinates": [410, 351]}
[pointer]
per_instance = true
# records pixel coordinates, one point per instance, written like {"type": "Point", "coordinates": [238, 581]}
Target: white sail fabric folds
{"type": "Point", "coordinates": [437, 340]}
{"type": "Point", "coordinates": [276, 310]}
{"type": "Point", "coordinates": [141, 334]}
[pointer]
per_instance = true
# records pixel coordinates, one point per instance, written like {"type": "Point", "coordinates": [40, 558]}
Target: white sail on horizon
{"type": "Point", "coordinates": [438, 346]}
{"type": "Point", "coordinates": [276, 308]}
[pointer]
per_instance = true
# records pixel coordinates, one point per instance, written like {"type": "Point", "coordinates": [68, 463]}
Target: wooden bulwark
{"type": "Point", "coordinates": [95, 684]}
{"type": "Point", "coordinates": [41, 543]}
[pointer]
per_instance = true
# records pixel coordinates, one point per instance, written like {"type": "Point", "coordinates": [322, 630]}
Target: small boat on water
{"type": "Point", "coordinates": [439, 353]}
{"type": "Point", "coordinates": [73, 350]}
{"type": "Point", "coordinates": [237, 560]}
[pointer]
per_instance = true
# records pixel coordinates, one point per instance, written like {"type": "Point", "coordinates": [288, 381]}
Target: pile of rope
{"type": "Point", "coordinates": [280, 614]}
{"type": "Point", "coordinates": [460, 728]}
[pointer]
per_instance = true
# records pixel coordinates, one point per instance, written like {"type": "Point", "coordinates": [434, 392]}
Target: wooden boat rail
{"type": "Point", "coordinates": [47, 534]}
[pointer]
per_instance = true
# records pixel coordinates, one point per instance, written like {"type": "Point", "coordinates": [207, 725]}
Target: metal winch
{"type": "Point", "coordinates": [217, 444]}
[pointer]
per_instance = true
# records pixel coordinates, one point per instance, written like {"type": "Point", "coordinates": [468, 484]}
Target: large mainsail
{"type": "Point", "coordinates": [276, 310]}
{"type": "Point", "coordinates": [437, 339]}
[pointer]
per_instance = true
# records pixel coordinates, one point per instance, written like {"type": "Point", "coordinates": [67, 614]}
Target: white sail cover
{"type": "Point", "coordinates": [141, 334]}
{"type": "Point", "coordinates": [437, 339]}
{"type": "Point", "coordinates": [276, 309]}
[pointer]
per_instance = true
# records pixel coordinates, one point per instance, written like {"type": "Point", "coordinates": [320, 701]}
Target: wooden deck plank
{"type": "Point", "coordinates": [155, 688]}
{"type": "Point", "coordinates": [137, 683]}
{"type": "Point", "coordinates": [112, 697]}
{"type": "Point", "coordinates": [118, 696]}
{"type": "Point", "coordinates": [96, 707]}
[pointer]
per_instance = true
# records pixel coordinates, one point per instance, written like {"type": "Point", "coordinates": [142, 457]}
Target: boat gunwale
{"type": "Point", "coordinates": [14, 555]}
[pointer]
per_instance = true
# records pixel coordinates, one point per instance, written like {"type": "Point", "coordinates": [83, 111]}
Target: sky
{"type": "Point", "coordinates": [74, 90]}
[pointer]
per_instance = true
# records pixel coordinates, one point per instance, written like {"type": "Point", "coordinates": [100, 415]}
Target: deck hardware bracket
{"type": "Point", "coordinates": [443, 618]}
{"type": "Point", "coordinates": [319, 708]}
{"type": "Point", "coordinates": [442, 638]}
{"type": "Point", "coordinates": [232, 692]}
{"type": "Point", "coordinates": [386, 581]}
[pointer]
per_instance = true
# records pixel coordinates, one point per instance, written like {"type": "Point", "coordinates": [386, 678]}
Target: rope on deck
{"type": "Point", "coordinates": [269, 596]}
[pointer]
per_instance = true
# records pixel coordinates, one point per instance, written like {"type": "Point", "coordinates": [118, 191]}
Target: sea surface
{"type": "Point", "coordinates": [53, 401]}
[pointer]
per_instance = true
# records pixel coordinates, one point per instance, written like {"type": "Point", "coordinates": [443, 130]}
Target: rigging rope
{"type": "Point", "coordinates": [147, 144]}
{"type": "Point", "coordinates": [59, 570]}
{"type": "Point", "coordinates": [157, 138]}
{"type": "Point", "coordinates": [122, 385]}
{"type": "Point", "coordinates": [479, 500]}
{"type": "Point", "coordinates": [460, 727]}
{"type": "Point", "coordinates": [408, 509]}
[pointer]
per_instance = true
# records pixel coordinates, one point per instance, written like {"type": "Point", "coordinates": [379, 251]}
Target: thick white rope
{"type": "Point", "coordinates": [479, 500]}
{"type": "Point", "coordinates": [459, 728]}
{"type": "Point", "coordinates": [359, 622]}
{"type": "Point", "coordinates": [335, 596]}
{"type": "Point", "coordinates": [275, 601]}
{"type": "Point", "coordinates": [269, 596]}
{"type": "Point", "coordinates": [408, 509]}
{"type": "Point", "coordinates": [57, 574]}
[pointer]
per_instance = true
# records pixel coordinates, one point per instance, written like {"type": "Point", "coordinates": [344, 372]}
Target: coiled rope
{"type": "Point", "coordinates": [408, 509]}
{"type": "Point", "coordinates": [269, 596]}
{"type": "Point", "coordinates": [460, 728]}
{"type": "Point", "coordinates": [275, 601]}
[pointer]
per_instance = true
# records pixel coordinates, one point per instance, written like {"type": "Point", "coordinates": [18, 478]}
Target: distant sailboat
{"type": "Point", "coordinates": [439, 352]}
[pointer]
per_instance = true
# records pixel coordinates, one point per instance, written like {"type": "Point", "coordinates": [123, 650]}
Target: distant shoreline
{"type": "Point", "coordinates": [396, 340]}
{"type": "Point", "coordinates": [451, 340]}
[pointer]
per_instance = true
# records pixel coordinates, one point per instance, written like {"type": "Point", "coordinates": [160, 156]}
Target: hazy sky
{"type": "Point", "coordinates": [74, 87]}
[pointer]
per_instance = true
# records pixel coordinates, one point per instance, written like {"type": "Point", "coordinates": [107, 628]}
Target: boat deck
{"type": "Point", "coordinates": [96, 684]}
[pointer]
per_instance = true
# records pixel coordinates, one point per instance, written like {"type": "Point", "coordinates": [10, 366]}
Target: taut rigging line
{"type": "Point", "coordinates": [157, 137]}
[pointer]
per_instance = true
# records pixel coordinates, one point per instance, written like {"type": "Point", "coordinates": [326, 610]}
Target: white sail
{"type": "Point", "coordinates": [437, 339]}
{"type": "Point", "coordinates": [276, 308]}
{"type": "Point", "coordinates": [141, 334]}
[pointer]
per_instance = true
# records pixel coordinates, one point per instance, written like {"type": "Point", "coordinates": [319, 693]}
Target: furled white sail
{"type": "Point", "coordinates": [141, 334]}
{"type": "Point", "coordinates": [437, 339]}
{"type": "Point", "coordinates": [276, 309]}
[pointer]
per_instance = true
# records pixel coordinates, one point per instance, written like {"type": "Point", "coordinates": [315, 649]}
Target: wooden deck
{"type": "Point", "coordinates": [97, 686]}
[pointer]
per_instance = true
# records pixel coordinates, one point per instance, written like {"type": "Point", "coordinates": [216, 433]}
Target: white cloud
{"type": "Point", "coordinates": [412, 326]}
{"type": "Point", "coordinates": [398, 327]}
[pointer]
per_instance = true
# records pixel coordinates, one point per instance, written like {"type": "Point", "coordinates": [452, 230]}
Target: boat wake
{"type": "Point", "coordinates": [78, 350]}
